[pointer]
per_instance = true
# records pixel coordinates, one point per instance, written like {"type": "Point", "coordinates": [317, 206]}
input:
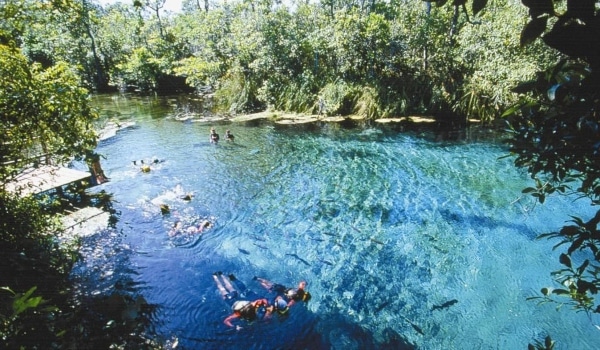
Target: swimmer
{"type": "Point", "coordinates": [290, 295]}
{"type": "Point", "coordinates": [164, 209]}
{"type": "Point", "coordinates": [178, 228]}
{"type": "Point", "coordinates": [229, 136]}
{"type": "Point", "coordinates": [279, 305]}
{"type": "Point", "coordinates": [204, 224]}
{"type": "Point", "coordinates": [241, 307]}
{"type": "Point", "coordinates": [187, 196]}
{"type": "Point", "coordinates": [214, 137]}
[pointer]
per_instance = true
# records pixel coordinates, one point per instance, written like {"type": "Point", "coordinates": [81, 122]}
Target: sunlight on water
{"type": "Point", "coordinates": [385, 228]}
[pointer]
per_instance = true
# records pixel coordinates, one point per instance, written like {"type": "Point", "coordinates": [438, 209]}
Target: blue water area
{"type": "Point", "coordinates": [385, 227]}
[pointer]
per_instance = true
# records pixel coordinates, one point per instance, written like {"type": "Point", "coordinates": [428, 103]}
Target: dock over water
{"type": "Point", "coordinates": [45, 178]}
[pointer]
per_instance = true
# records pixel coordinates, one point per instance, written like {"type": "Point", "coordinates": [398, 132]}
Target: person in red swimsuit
{"type": "Point", "coordinates": [250, 310]}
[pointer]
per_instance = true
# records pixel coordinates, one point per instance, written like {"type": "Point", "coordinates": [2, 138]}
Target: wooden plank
{"type": "Point", "coordinates": [45, 178]}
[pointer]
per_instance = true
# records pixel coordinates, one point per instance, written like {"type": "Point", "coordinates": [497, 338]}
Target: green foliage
{"type": "Point", "coordinates": [45, 114]}
{"type": "Point", "coordinates": [199, 72]}
{"type": "Point", "coordinates": [15, 314]}
{"type": "Point", "coordinates": [236, 93]}
{"type": "Point", "coordinates": [31, 249]}
{"type": "Point", "coordinates": [338, 98]}
{"type": "Point", "coordinates": [555, 134]}
{"type": "Point", "coordinates": [141, 69]}
{"type": "Point", "coordinates": [367, 104]}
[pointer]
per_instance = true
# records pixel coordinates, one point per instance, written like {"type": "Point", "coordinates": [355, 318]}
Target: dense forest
{"type": "Point", "coordinates": [458, 59]}
{"type": "Point", "coordinates": [376, 59]}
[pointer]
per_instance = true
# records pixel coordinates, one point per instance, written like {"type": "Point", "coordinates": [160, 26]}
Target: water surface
{"type": "Point", "coordinates": [383, 226]}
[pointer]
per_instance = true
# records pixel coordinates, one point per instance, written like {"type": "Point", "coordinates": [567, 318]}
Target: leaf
{"type": "Point", "coordinates": [547, 235]}
{"type": "Point", "coordinates": [569, 230]}
{"type": "Point", "coordinates": [583, 266]}
{"type": "Point", "coordinates": [533, 30]}
{"type": "Point", "coordinates": [8, 290]}
{"type": "Point", "coordinates": [584, 286]}
{"type": "Point", "coordinates": [478, 5]}
{"type": "Point", "coordinates": [548, 342]}
{"type": "Point", "coordinates": [25, 301]}
{"type": "Point", "coordinates": [577, 220]}
{"type": "Point", "coordinates": [575, 245]}
{"type": "Point", "coordinates": [565, 260]}
{"type": "Point", "coordinates": [560, 292]}
{"type": "Point", "coordinates": [529, 190]}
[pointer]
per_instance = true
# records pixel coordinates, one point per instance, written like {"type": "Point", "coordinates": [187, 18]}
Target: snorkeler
{"type": "Point", "coordinates": [242, 308]}
{"type": "Point", "coordinates": [291, 295]}
{"type": "Point", "coordinates": [178, 228]}
{"type": "Point", "coordinates": [278, 305]}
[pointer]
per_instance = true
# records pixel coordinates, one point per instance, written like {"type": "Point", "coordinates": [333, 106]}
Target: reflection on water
{"type": "Point", "coordinates": [401, 239]}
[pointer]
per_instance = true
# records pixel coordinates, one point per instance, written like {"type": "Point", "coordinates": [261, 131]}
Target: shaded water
{"type": "Point", "coordinates": [383, 226]}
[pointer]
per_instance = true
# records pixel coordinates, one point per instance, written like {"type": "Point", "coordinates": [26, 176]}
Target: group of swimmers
{"type": "Point", "coordinates": [249, 306]}
{"type": "Point", "coordinates": [199, 228]}
{"type": "Point", "coordinates": [214, 137]}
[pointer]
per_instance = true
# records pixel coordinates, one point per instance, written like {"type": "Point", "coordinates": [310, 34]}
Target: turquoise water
{"type": "Point", "coordinates": [382, 225]}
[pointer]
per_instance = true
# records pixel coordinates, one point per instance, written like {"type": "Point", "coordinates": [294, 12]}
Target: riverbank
{"type": "Point", "coordinates": [287, 118]}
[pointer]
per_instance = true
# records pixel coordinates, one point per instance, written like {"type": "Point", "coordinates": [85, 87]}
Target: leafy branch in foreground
{"type": "Point", "coordinates": [555, 134]}
{"type": "Point", "coordinates": [547, 345]}
{"type": "Point", "coordinates": [581, 281]}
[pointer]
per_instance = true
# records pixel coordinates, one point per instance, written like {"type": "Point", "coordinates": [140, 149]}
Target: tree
{"type": "Point", "coordinates": [556, 136]}
{"type": "Point", "coordinates": [46, 116]}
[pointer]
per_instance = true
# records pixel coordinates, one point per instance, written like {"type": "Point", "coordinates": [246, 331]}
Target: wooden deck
{"type": "Point", "coordinates": [45, 178]}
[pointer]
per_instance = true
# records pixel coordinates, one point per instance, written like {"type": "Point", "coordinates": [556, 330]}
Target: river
{"type": "Point", "coordinates": [384, 226]}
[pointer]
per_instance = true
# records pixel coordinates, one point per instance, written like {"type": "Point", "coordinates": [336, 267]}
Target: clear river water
{"type": "Point", "coordinates": [384, 226]}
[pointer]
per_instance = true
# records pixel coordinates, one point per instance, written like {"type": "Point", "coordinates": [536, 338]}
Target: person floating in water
{"type": "Point", "coordinates": [244, 303]}
{"type": "Point", "coordinates": [178, 228]}
{"type": "Point", "coordinates": [229, 136]}
{"type": "Point", "coordinates": [279, 305]}
{"type": "Point", "coordinates": [214, 137]}
{"type": "Point", "coordinates": [152, 161]}
{"type": "Point", "coordinates": [290, 295]}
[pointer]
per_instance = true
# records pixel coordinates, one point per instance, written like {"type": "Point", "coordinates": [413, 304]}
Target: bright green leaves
{"type": "Point", "coordinates": [199, 72]}
{"type": "Point", "coordinates": [26, 301]}
{"type": "Point", "coordinates": [45, 113]}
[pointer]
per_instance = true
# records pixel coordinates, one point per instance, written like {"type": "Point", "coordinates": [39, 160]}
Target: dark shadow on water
{"type": "Point", "coordinates": [486, 222]}
{"type": "Point", "coordinates": [110, 308]}
{"type": "Point", "coordinates": [340, 333]}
